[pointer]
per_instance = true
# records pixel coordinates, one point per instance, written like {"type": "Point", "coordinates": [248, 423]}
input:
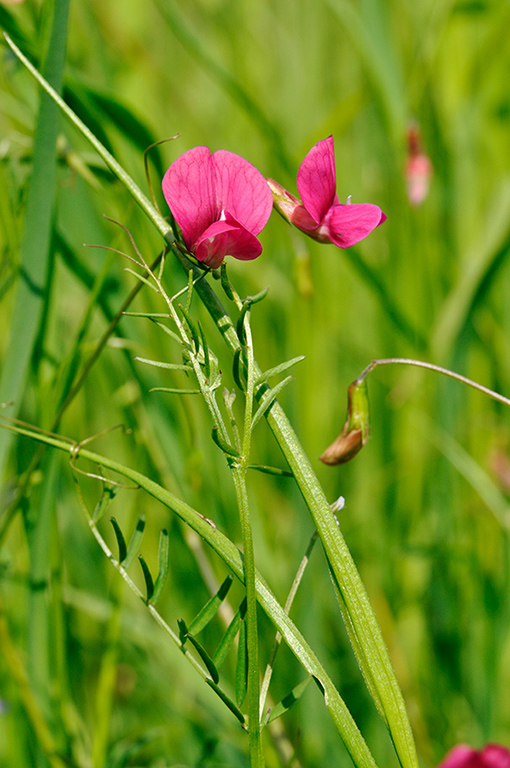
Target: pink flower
{"type": "Point", "coordinates": [220, 201]}
{"type": "Point", "coordinates": [491, 756]}
{"type": "Point", "coordinates": [418, 170]}
{"type": "Point", "coordinates": [321, 215]}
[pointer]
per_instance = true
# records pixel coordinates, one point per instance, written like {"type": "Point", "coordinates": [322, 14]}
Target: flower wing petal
{"type": "Point", "coordinates": [347, 224]}
{"type": "Point", "coordinates": [241, 190]}
{"type": "Point", "coordinates": [226, 238]}
{"type": "Point", "coordinates": [188, 187]}
{"type": "Point", "coordinates": [316, 179]}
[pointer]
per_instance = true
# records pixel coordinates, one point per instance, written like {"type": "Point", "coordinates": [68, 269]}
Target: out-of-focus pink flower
{"type": "Point", "coordinates": [418, 171]}
{"type": "Point", "coordinates": [220, 201]}
{"type": "Point", "coordinates": [463, 756]}
{"type": "Point", "coordinates": [321, 215]}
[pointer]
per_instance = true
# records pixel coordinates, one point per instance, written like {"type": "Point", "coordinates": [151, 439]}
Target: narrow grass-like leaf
{"type": "Point", "coordinates": [210, 609]}
{"type": "Point", "coordinates": [192, 328]}
{"type": "Point", "coordinates": [35, 246]}
{"type": "Point", "coordinates": [240, 330]}
{"type": "Point", "coordinates": [277, 370]}
{"type": "Point", "coordinates": [225, 282]}
{"type": "Point", "coordinates": [135, 541]}
{"type": "Point", "coordinates": [170, 366]}
{"type": "Point", "coordinates": [271, 470]}
{"type": "Point", "coordinates": [225, 699]}
{"type": "Point", "coordinates": [242, 666]}
{"type": "Point", "coordinates": [176, 391]}
{"type": "Point", "coordinates": [121, 542]}
{"type": "Point", "coordinates": [166, 329]}
{"type": "Point", "coordinates": [211, 668]}
{"type": "Point", "coordinates": [228, 638]}
{"type": "Point", "coordinates": [183, 630]}
{"type": "Point", "coordinates": [286, 703]}
{"type": "Point", "coordinates": [268, 399]}
{"type": "Point", "coordinates": [103, 503]}
{"type": "Point", "coordinates": [144, 280]}
{"type": "Point", "coordinates": [239, 368]}
{"type": "Point", "coordinates": [148, 315]}
{"type": "Point", "coordinates": [189, 296]}
{"type": "Point", "coordinates": [225, 447]}
{"type": "Point", "coordinates": [163, 553]}
{"type": "Point", "coordinates": [205, 347]}
{"type": "Point", "coordinates": [77, 96]}
{"type": "Point", "coordinates": [149, 583]}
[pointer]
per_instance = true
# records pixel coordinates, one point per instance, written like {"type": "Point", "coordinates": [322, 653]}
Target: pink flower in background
{"type": "Point", "coordinates": [321, 215]}
{"type": "Point", "coordinates": [220, 201]}
{"type": "Point", "coordinates": [418, 170]}
{"type": "Point", "coordinates": [491, 756]}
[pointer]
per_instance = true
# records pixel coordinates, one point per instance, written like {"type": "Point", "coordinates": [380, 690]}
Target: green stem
{"type": "Point", "coordinates": [231, 556]}
{"type": "Point", "coordinates": [254, 730]}
{"type": "Point", "coordinates": [154, 215]}
{"type": "Point", "coordinates": [437, 369]}
{"type": "Point", "coordinates": [239, 475]}
{"type": "Point", "coordinates": [363, 628]}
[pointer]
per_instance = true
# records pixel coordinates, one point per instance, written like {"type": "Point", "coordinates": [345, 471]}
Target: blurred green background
{"type": "Point", "coordinates": [427, 501]}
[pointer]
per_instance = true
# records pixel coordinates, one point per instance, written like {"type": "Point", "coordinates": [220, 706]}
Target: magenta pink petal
{"type": "Point", "coordinates": [461, 756]}
{"type": "Point", "coordinates": [316, 179]}
{"type": "Point", "coordinates": [189, 191]}
{"type": "Point", "coordinates": [226, 238]}
{"type": "Point", "coordinates": [242, 190]}
{"type": "Point", "coordinates": [346, 225]}
{"type": "Point", "coordinates": [495, 756]}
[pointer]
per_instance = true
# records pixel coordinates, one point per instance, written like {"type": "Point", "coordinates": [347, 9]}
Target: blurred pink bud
{"type": "Point", "coordinates": [321, 216]}
{"type": "Point", "coordinates": [220, 201]}
{"type": "Point", "coordinates": [418, 169]}
{"type": "Point", "coordinates": [463, 756]}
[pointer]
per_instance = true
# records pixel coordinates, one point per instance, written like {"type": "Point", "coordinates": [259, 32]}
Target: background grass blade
{"type": "Point", "coordinates": [35, 247]}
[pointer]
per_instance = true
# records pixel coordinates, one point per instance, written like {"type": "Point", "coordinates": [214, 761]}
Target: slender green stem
{"type": "Point", "coordinates": [230, 555]}
{"type": "Point", "coordinates": [437, 369]}
{"type": "Point", "coordinates": [254, 730]}
{"type": "Point", "coordinates": [239, 475]}
{"type": "Point", "coordinates": [288, 605]}
{"type": "Point", "coordinates": [152, 212]}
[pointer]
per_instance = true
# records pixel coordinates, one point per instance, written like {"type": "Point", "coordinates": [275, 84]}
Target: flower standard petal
{"type": "Point", "coordinates": [316, 179]}
{"type": "Point", "coordinates": [241, 190]}
{"type": "Point", "coordinates": [188, 187]}
{"type": "Point", "coordinates": [346, 225]}
{"type": "Point", "coordinates": [226, 238]}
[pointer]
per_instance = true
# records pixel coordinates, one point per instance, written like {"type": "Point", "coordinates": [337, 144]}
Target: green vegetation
{"type": "Point", "coordinates": [87, 675]}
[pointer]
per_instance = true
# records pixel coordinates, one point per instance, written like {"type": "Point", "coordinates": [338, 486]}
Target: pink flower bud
{"type": "Point", "coordinates": [418, 170]}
